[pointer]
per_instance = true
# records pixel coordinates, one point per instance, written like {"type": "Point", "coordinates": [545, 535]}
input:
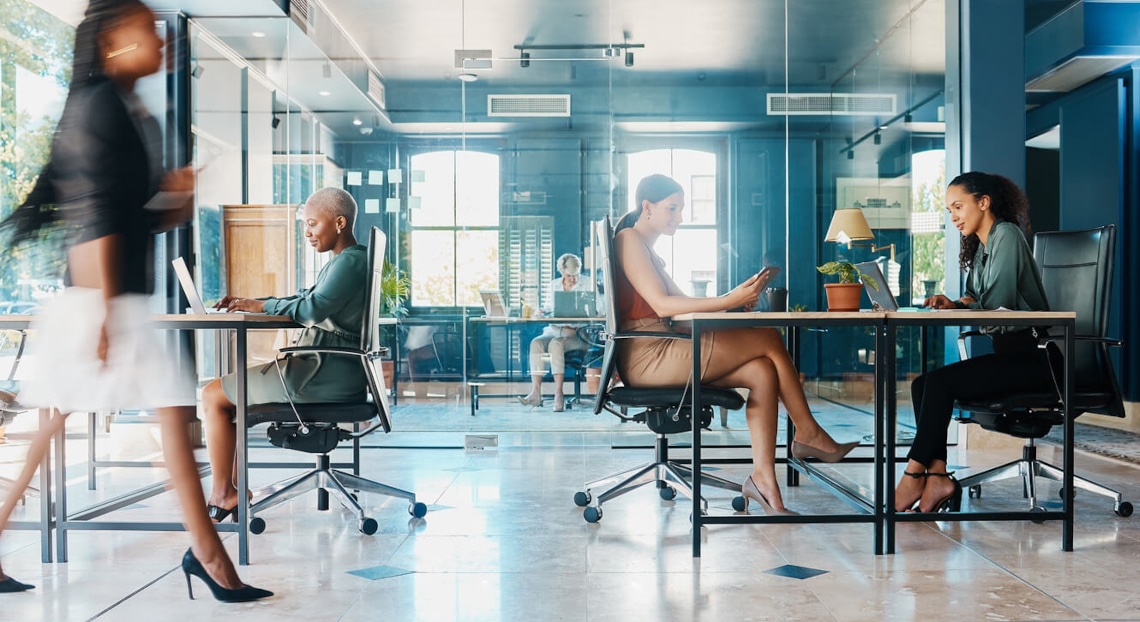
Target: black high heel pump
{"type": "Point", "coordinates": [219, 514]}
{"type": "Point", "coordinates": [243, 594]}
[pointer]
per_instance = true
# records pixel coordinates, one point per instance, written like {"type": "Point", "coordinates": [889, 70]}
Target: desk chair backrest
{"type": "Point", "coordinates": [370, 324]}
{"type": "Point", "coordinates": [1076, 269]}
{"type": "Point", "coordinates": [605, 233]}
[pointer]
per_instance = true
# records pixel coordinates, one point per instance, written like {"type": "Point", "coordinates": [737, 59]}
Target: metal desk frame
{"type": "Point", "coordinates": [880, 509]}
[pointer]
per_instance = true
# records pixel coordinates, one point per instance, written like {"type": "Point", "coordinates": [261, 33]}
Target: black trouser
{"type": "Point", "coordinates": [1016, 366]}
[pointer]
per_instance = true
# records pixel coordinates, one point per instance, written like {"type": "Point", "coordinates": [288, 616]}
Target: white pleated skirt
{"type": "Point", "coordinates": [63, 369]}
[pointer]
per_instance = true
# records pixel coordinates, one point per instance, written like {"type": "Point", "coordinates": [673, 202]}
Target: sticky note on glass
{"type": "Point", "coordinates": [395, 175]}
{"type": "Point", "coordinates": [414, 202]}
{"type": "Point", "coordinates": [371, 206]}
{"type": "Point", "coordinates": [392, 205]}
{"type": "Point", "coordinates": [355, 178]}
{"type": "Point", "coordinates": [375, 178]}
{"type": "Point", "coordinates": [419, 175]}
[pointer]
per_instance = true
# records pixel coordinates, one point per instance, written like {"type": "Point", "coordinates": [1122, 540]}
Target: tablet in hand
{"type": "Point", "coordinates": [766, 274]}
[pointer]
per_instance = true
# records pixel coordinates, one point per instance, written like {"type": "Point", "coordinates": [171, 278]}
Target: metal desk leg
{"type": "Point", "coordinates": [793, 476]}
{"type": "Point", "coordinates": [696, 418]}
{"type": "Point", "coordinates": [882, 386]}
{"type": "Point", "coordinates": [890, 425]}
{"type": "Point", "coordinates": [241, 449]}
{"type": "Point", "coordinates": [45, 496]}
{"type": "Point", "coordinates": [1067, 445]}
{"type": "Point", "coordinates": [61, 494]}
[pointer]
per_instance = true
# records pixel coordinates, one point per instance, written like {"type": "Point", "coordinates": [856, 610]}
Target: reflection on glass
{"type": "Point", "coordinates": [457, 191]}
{"type": "Point", "coordinates": [695, 269]}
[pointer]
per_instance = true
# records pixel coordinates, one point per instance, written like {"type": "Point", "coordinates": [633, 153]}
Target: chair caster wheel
{"type": "Point", "coordinates": [1124, 510]}
{"type": "Point", "coordinates": [740, 504]}
{"type": "Point", "coordinates": [257, 525]}
{"type": "Point", "coordinates": [1037, 510]}
{"type": "Point", "coordinates": [976, 492]}
{"type": "Point", "coordinates": [668, 493]}
{"type": "Point", "coordinates": [369, 526]}
{"type": "Point", "coordinates": [592, 514]}
{"type": "Point", "coordinates": [417, 509]}
{"type": "Point", "coordinates": [582, 499]}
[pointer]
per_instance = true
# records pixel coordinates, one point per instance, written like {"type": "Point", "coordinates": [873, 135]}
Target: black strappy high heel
{"type": "Point", "coordinates": [951, 502]}
{"type": "Point", "coordinates": [916, 501]}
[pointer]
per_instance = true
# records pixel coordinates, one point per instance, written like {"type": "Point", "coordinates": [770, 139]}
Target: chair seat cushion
{"type": "Point", "coordinates": [335, 412]}
{"type": "Point", "coordinates": [646, 397]}
{"type": "Point", "coordinates": [1082, 402]}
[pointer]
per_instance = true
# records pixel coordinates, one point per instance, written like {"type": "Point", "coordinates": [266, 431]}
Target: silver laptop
{"type": "Point", "coordinates": [493, 303]}
{"type": "Point", "coordinates": [882, 298]}
{"type": "Point", "coordinates": [575, 304]}
{"type": "Point", "coordinates": [197, 307]}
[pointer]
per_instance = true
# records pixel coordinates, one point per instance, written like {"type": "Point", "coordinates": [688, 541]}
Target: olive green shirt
{"type": "Point", "coordinates": [332, 312]}
{"type": "Point", "coordinates": [1003, 273]}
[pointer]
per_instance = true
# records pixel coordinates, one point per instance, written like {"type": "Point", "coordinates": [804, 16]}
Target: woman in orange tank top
{"type": "Point", "coordinates": [752, 358]}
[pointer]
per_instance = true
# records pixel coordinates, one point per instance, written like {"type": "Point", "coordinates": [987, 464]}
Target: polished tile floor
{"type": "Point", "coordinates": [503, 541]}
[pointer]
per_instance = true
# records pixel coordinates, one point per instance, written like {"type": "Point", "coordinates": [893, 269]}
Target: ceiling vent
{"type": "Point", "coordinates": [376, 89]}
{"type": "Point", "coordinates": [299, 11]}
{"type": "Point", "coordinates": [849, 104]}
{"type": "Point", "coordinates": [528, 105]}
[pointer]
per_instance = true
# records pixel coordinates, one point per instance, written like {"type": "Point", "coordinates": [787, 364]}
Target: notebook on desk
{"type": "Point", "coordinates": [193, 298]}
{"type": "Point", "coordinates": [881, 296]}
{"type": "Point", "coordinates": [575, 304]}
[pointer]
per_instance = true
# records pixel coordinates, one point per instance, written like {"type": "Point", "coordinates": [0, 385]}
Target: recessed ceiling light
{"type": "Point", "coordinates": [468, 77]}
{"type": "Point", "coordinates": [258, 34]}
{"type": "Point", "coordinates": [357, 122]}
{"type": "Point", "coordinates": [325, 93]}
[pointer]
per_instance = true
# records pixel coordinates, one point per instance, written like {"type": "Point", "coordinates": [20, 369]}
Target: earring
{"type": "Point", "coordinates": [130, 48]}
{"type": "Point", "coordinates": [338, 230]}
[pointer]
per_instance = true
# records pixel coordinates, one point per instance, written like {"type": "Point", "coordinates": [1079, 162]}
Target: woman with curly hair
{"type": "Point", "coordinates": [993, 215]}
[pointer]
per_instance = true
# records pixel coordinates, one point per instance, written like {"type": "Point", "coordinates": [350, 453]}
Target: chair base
{"type": "Point", "coordinates": [325, 480]}
{"type": "Point", "coordinates": [1029, 468]}
{"type": "Point", "coordinates": [661, 471]}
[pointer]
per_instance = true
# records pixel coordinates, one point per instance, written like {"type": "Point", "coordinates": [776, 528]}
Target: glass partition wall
{"type": "Point", "coordinates": [484, 137]}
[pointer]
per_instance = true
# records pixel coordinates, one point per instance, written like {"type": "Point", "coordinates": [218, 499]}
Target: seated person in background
{"type": "Point", "coordinates": [331, 312]}
{"type": "Point", "coordinates": [992, 213]}
{"type": "Point", "coordinates": [752, 358]}
{"type": "Point", "coordinates": [556, 339]}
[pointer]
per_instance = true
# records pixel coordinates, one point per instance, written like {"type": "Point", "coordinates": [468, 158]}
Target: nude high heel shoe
{"type": "Point", "coordinates": [750, 492]}
{"type": "Point", "coordinates": [803, 452]}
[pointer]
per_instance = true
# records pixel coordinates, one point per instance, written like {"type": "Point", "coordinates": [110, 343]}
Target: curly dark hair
{"type": "Point", "coordinates": [1007, 202]}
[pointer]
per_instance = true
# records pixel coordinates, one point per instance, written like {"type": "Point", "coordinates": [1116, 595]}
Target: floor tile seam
{"type": "Point", "coordinates": [134, 593]}
{"type": "Point", "coordinates": [1024, 581]}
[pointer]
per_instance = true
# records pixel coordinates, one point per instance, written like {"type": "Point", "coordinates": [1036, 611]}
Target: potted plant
{"type": "Point", "coordinates": [395, 286]}
{"type": "Point", "coordinates": [844, 295]}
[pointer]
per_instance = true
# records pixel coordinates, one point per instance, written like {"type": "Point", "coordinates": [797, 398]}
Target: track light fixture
{"type": "Point", "coordinates": [851, 154]}
{"type": "Point", "coordinates": [878, 139]}
{"type": "Point", "coordinates": [628, 58]}
{"type": "Point", "coordinates": [524, 59]}
{"type": "Point", "coordinates": [275, 122]}
{"type": "Point", "coordinates": [609, 50]}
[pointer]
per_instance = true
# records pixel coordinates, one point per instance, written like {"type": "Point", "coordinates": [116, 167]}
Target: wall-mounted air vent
{"type": "Point", "coordinates": [850, 104]}
{"type": "Point", "coordinates": [299, 11]}
{"type": "Point", "coordinates": [528, 105]}
{"type": "Point", "coordinates": [376, 89]}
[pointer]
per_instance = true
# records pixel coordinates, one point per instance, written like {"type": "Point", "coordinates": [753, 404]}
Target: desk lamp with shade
{"type": "Point", "coordinates": [848, 225]}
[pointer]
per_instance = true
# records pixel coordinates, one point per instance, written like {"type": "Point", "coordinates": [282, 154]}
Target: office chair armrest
{"type": "Point", "coordinates": [655, 335]}
{"type": "Point", "coordinates": [1108, 341]}
{"type": "Point", "coordinates": [962, 336]}
{"type": "Point", "coordinates": [19, 351]}
{"type": "Point", "coordinates": [329, 350]}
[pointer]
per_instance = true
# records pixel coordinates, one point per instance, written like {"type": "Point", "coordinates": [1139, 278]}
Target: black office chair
{"type": "Point", "coordinates": [316, 428]}
{"type": "Point", "coordinates": [579, 361]}
{"type": "Point", "coordinates": [1076, 268]}
{"type": "Point", "coordinates": [666, 411]}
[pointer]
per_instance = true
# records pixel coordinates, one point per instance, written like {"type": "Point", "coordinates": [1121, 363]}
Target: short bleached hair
{"type": "Point", "coordinates": [335, 202]}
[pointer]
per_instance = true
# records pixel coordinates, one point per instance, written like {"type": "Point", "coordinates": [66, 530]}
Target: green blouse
{"type": "Point", "coordinates": [1003, 273]}
{"type": "Point", "coordinates": [332, 312]}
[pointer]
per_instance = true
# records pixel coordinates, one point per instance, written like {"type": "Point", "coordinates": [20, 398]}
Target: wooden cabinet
{"type": "Point", "coordinates": [264, 256]}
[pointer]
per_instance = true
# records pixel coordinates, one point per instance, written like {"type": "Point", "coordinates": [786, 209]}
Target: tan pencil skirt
{"type": "Point", "coordinates": [660, 362]}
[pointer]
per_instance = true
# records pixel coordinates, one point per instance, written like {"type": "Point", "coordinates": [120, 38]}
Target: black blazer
{"type": "Point", "coordinates": [105, 172]}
